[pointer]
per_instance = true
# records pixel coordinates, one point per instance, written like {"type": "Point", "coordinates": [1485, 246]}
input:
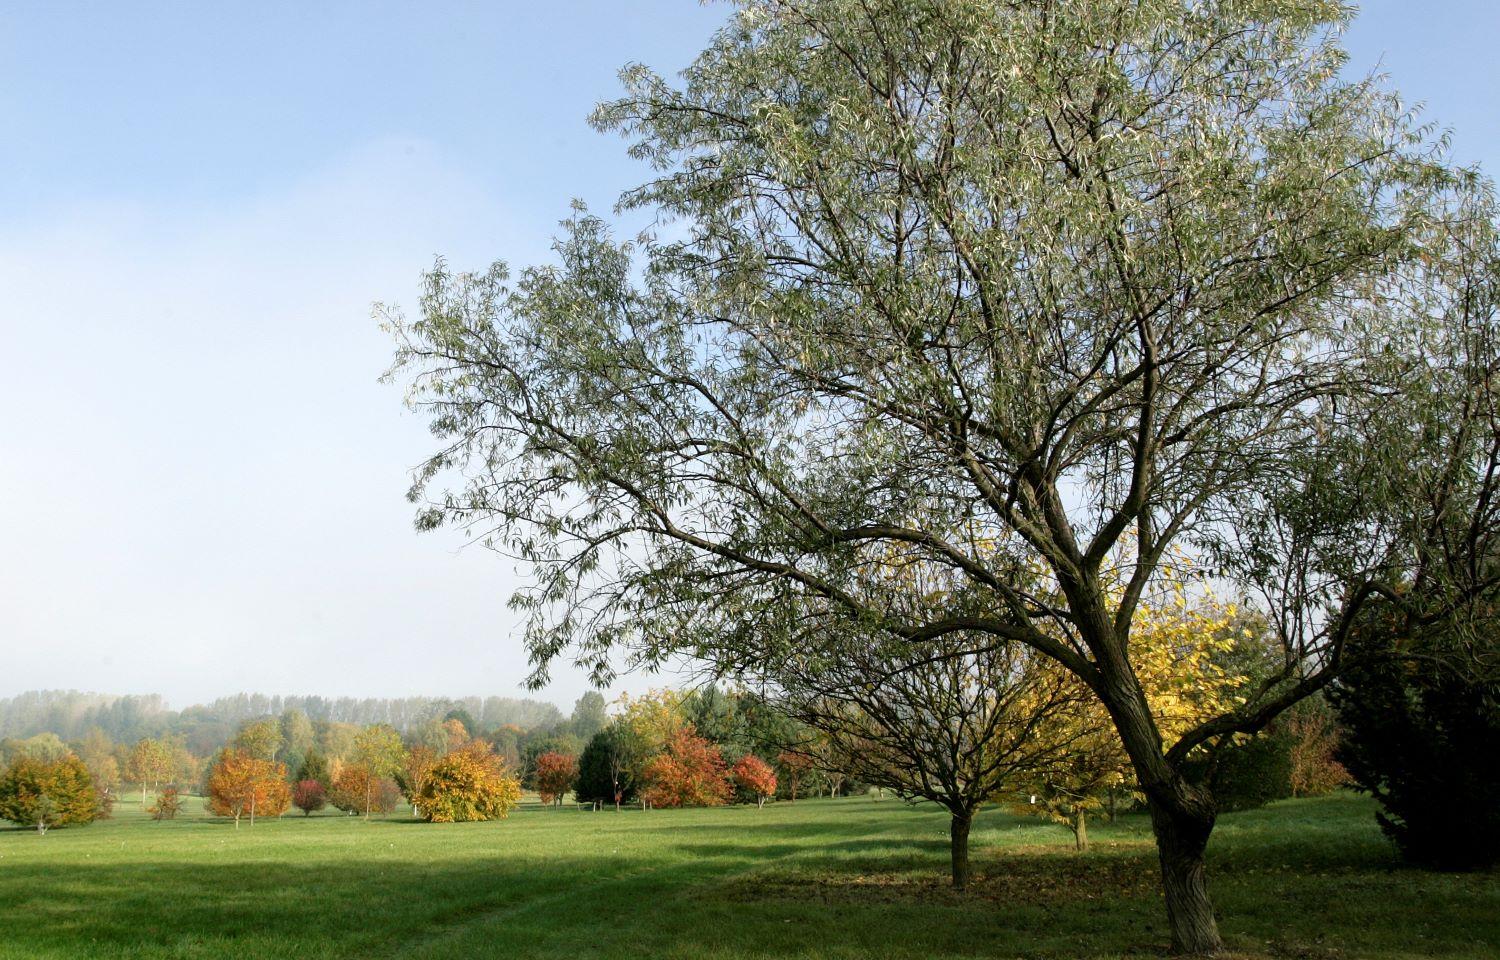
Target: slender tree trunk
{"type": "Point", "coordinates": [1180, 842]}
{"type": "Point", "coordinates": [958, 832]}
{"type": "Point", "coordinates": [1080, 830]}
{"type": "Point", "coordinates": [252, 809]}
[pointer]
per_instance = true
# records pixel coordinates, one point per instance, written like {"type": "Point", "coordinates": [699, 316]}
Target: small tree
{"type": "Point", "coordinates": [467, 785]}
{"type": "Point", "coordinates": [309, 796]}
{"type": "Point", "coordinates": [690, 772]}
{"type": "Point", "coordinates": [48, 793]}
{"type": "Point", "coordinates": [168, 804]}
{"type": "Point", "coordinates": [604, 768]}
{"type": "Point", "coordinates": [1313, 736]}
{"type": "Point", "coordinates": [555, 773]}
{"type": "Point", "coordinates": [415, 767]}
{"type": "Point", "coordinates": [152, 763]}
{"type": "Point", "coordinates": [755, 776]}
{"type": "Point", "coordinates": [375, 758]}
{"type": "Point", "coordinates": [796, 765]}
{"type": "Point", "coordinates": [356, 790]}
{"type": "Point", "coordinates": [240, 784]}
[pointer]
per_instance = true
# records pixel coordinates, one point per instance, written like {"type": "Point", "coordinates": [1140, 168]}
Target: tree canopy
{"type": "Point", "coordinates": [1026, 291]}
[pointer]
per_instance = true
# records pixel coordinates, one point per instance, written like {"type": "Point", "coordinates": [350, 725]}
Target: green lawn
{"type": "Point", "coordinates": [854, 878]}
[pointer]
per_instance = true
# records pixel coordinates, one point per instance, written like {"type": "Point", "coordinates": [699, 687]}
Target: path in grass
{"type": "Point", "coordinates": [816, 879]}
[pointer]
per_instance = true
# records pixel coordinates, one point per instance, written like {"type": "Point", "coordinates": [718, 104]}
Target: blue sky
{"type": "Point", "coordinates": [200, 480]}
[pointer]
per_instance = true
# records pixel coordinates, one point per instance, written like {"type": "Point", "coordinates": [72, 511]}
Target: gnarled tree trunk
{"type": "Point", "coordinates": [1181, 838]}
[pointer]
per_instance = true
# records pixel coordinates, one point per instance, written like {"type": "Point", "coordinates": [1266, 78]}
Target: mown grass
{"type": "Point", "coordinates": [816, 879]}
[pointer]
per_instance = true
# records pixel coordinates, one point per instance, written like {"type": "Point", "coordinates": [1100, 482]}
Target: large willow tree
{"type": "Point", "coordinates": [1027, 290]}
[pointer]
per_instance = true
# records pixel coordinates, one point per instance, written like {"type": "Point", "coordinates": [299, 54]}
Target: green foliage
{"type": "Point", "coordinates": [1421, 737]}
{"type": "Point", "coordinates": [315, 767]}
{"type": "Point", "coordinates": [602, 772]}
{"type": "Point", "coordinates": [464, 717]}
{"type": "Point", "coordinates": [588, 716]}
{"type": "Point", "coordinates": [260, 738]}
{"type": "Point", "coordinates": [1019, 291]}
{"type": "Point", "coordinates": [48, 793]}
{"type": "Point", "coordinates": [1248, 774]}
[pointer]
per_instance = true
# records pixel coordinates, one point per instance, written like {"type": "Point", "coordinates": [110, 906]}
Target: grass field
{"type": "Point", "coordinates": [844, 878]}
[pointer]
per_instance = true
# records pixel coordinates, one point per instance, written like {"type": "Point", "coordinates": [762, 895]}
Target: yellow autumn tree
{"type": "Point", "coordinates": [1181, 635]}
{"type": "Point", "coordinates": [468, 784]}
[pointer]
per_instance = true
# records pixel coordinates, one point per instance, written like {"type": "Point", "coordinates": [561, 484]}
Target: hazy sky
{"type": "Point", "coordinates": [200, 479]}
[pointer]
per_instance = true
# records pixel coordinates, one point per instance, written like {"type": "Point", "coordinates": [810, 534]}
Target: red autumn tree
{"type": "Point", "coordinates": [796, 766]}
{"type": "Point", "coordinates": [309, 796]}
{"type": "Point", "coordinates": [241, 784]}
{"type": "Point", "coordinates": [755, 776]}
{"type": "Point", "coordinates": [689, 772]}
{"type": "Point", "coordinates": [555, 773]}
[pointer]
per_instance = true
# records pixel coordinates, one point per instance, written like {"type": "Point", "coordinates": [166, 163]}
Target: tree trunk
{"type": "Point", "coordinates": [958, 831]}
{"type": "Point", "coordinates": [1180, 842]}
{"type": "Point", "coordinates": [1182, 816]}
{"type": "Point", "coordinates": [1080, 830]}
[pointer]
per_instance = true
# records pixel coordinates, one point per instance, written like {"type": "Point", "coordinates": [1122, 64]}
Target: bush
{"type": "Point", "coordinates": [1247, 775]}
{"type": "Point", "coordinates": [1420, 737]}
{"type": "Point", "coordinates": [309, 796]}
{"type": "Point", "coordinates": [168, 804]}
{"type": "Point", "coordinates": [467, 785]}
{"type": "Point", "coordinates": [48, 793]}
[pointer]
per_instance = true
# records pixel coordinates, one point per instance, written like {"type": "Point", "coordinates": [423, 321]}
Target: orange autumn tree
{"type": "Point", "coordinates": [241, 784]}
{"type": "Point", "coordinates": [689, 772]}
{"type": "Point", "coordinates": [755, 776]}
{"type": "Point", "coordinates": [469, 784]}
{"type": "Point", "coordinates": [555, 773]}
